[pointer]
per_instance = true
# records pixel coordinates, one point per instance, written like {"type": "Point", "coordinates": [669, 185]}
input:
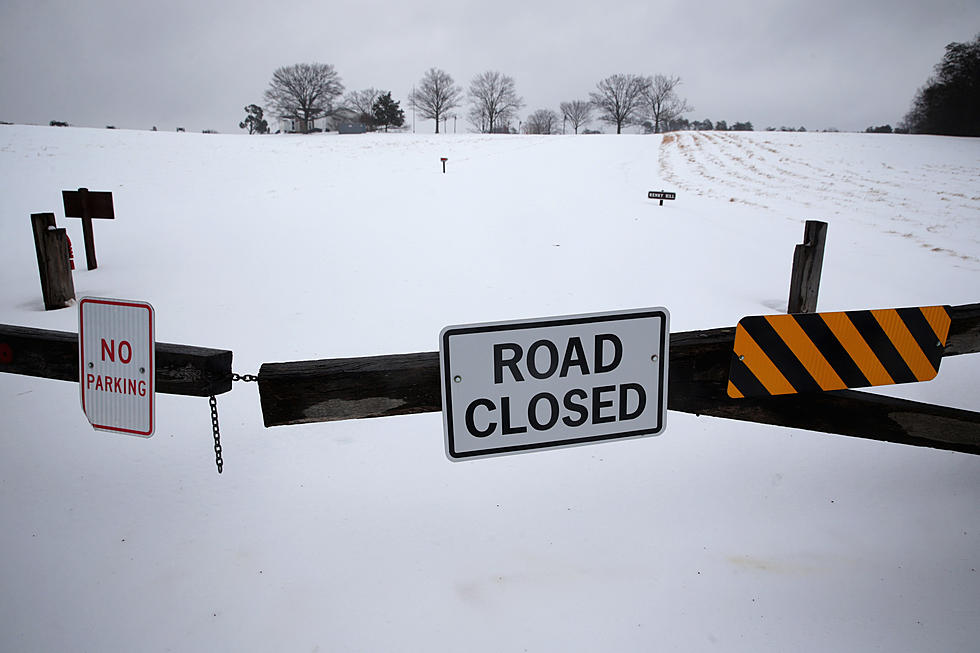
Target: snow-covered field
{"type": "Point", "coordinates": [361, 535]}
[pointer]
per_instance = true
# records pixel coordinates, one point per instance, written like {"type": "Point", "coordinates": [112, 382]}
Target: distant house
{"type": "Point", "coordinates": [300, 126]}
{"type": "Point", "coordinates": [351, 127]}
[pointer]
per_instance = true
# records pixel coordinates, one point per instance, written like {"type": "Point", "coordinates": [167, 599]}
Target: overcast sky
{"type": "Point", "coordinates": [845, 64]}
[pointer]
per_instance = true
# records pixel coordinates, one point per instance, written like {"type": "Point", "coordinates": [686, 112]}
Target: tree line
{"type": "Point", "coordinates": [949, 102]}
{"type": "Point", "coordinates": [304, 93]}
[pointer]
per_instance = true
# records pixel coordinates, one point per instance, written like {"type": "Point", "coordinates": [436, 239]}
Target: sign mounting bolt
{"type": "Point", "coordinates": [457, 379]}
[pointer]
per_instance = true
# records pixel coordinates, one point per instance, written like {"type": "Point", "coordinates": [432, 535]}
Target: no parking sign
{"type": "Point", "coordinates": [116, 342]}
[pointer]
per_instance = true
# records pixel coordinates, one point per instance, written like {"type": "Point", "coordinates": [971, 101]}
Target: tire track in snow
{"type": "Point", "coordinates": [808, 173]}
{"type": "Point", "coordinates": [682, 158]}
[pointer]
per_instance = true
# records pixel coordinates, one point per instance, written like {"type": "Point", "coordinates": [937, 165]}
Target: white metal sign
{"type": "Point", "coordinates": [510, 387]}
{"type": "Point", "coordinates": [116, 342]}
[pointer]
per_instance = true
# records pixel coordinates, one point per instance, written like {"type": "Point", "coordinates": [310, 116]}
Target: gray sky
{"type": "Point", "coordinates": [829, 63]}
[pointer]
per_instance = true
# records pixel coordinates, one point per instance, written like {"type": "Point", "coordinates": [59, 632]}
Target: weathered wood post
{"type": "Point", "coordinates": [51, 245]}
{"type": "Point", "coordinates": [804, 283]}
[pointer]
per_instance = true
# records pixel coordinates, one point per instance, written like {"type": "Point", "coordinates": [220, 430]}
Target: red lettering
{"type": "Point", "coordinates": [125, 350]}
{"type": "Point", "coordinates": [116, 384]}
{"type": "Point", "coordinates": [111, 348]}
{"type": "Point", "coordinates": [128, 356]}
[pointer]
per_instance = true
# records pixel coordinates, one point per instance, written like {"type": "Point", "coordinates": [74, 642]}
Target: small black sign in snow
{"type": "Point", "coordinates": [661, 195]}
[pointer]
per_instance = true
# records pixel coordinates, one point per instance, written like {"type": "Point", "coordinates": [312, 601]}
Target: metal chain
{"type": "Point", "coordinates": [251, 378]}
{"type": "Point", "coordinates": [217, 434]}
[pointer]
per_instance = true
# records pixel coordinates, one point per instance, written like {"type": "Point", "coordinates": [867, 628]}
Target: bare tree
{"type": "Point", "coordinates": [304, 92]}
{"type": "Point", "coordinates": [495, 101]}
{"type": "Point", "coordinates": [359, 105]}
{"type": "Point", "coordinates": [662, 102]}
{"type": "Point", "coordinates": [435, 96]}
{"type": "Point", "coordinates": [542, 121]}
{"type": "Point", "coordinates": [619, 99]}
{"type": "Point", "coordinates": [577, 112]}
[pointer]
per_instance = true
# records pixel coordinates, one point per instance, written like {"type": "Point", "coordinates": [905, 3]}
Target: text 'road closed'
{"type": "Point", "coordinates": [511, 387]}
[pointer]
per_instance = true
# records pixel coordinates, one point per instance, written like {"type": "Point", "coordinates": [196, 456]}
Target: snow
{"type": "Point", "coordinates": [361, 535]}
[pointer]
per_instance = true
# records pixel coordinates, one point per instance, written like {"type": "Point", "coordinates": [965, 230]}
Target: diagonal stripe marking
{"type": "Point", "coordinates": [884, 349]}
{"type": "Point", "coordinates": [760, 365]}
{"type": "Point", "coordinates": [939, 321]}
{"type": "Point", "coordinates": [924, 336]}
{"type": "Point", "coordinates": [780, 354]}
{"type": "Point", "coordinates": [901, 337]}
{"type": "Point", "coordinates": [803, 348]}
{"type": "Point", "coordinates": [820, 334]}
{"type": "Point", "coordinates": [741, 379]}
{"type": "Point", "coordinates": [733, 392]}
{"type": "Point", "coordinates": [858, 349]}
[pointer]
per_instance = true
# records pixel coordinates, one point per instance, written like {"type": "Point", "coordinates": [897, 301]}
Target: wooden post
{"type": "Point", "coordinates": [804, 283]}
{"type": "Point", "coordinates": [87, 230]}
{"type": "Point", "coordinates": [51, 245]}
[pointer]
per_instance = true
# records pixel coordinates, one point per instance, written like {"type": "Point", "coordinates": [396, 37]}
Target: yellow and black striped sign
{"type": "Point", "coordinates": [815, 352]}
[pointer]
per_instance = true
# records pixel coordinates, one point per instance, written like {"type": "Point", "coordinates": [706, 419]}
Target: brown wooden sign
{"type": "Point", "coordinates": [86, 204]}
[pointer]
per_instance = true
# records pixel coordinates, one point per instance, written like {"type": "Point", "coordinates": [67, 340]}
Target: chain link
{"type": "Point", "coordinates": [250, 378]}
{"type": "Point", "coordinates": [217, 434]}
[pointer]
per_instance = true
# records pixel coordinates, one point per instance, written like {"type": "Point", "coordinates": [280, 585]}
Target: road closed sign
{"type": "Point", "coordinates": [512, 387]}
{"type": "Point", "coordinates": [116, 342]}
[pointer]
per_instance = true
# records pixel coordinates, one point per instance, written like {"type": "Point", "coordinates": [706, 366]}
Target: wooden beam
{"type": "Point", "coordinates": [380, 386]}
{"type": "Point", "coordinates": [964, 330]}
{"type": "Point", "coordinates": [180, 369]}
{"type": "Point", "coordinates": [698, 381]}
{"type": "Point", "coordinates": [349, 388]}
{"type": "Point", "coordinates": [845, 412]}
